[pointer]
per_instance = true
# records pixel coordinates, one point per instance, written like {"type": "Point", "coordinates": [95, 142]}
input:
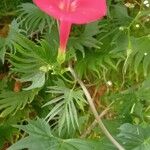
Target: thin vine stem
{"type": "Point", "coordinates": [94, 111]}
{"type": "Point", "coordinates": [94, 123]}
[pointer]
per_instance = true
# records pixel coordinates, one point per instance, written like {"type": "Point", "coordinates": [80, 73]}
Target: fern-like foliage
{"type": "Point", "coordinates": [136, 98]}
{"type": "Point", "coordinates": [65, 105]}
{"type": "Point", "coordinates": [102, 53]}
{"type": "Point", "coordinates": [11, 102]}
{"type": "Point", "coordinates": [41, 137]}
{"type": "Point", "coordinates": [99, 63]}
{"type": "Point", "coordinates": [2, 49]}
{"type": "Point", "coordinates": [31, 61]}
{"type": "Point", "coordinates": [139, 57]}
{"type": "Point", "coordinates": [85, 38]}
{"type": "Point", "coordinates": [6, 7]}
{"type": "Point", "coordinates": [7, 43]}
{"type": "Point", "coordinates": [32, 18]}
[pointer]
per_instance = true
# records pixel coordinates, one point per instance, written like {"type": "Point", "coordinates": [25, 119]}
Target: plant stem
{"type": "Point", "coordinates": [95, 113]}
{"type": "Point", "coordinates": [94, 123]}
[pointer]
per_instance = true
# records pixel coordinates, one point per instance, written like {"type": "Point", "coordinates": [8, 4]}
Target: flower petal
{"type": "Point", "coordinates": [85, 11]}
{"type": "Point", "coordinates": [88, 11]}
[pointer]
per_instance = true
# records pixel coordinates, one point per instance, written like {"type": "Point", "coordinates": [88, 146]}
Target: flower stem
{"type": "Point", "coordinates": [95, 113]}
{"type": "Point", "coordinates": [89, 129]}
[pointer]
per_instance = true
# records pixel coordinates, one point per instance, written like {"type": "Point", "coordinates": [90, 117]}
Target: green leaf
{"type": "Point", "coordinates": [65, 105]}
{"type": "Point", "coordinates": [98, 63]}
{"type": "Point", "coordinates": [139, 57]}
{"type": "Point", "coordinates": [2, 49]}
{"type": "Point", "coordinates": [31, 61]}
{"type": "Point", "coordinates": [32, 18]}
{"type": "Point", "coordinates": [6, 133]}
{"type": "Point", "coordinates": [7, 42]}
{"type": "Point", "coordinates": [11, 102]}
{"type": "Point", "coordinates": [143, 92]}
{"type": "Point", "coordinates": [86, 38]}
{"type": "Point", "coordinates": [121, 13]}
{"type": "Point", "coordinates": [135, 137]}
{"type": "Point", "coordinates": [41, 137]}
{"type": "Point", "coordinates": [37, 79]}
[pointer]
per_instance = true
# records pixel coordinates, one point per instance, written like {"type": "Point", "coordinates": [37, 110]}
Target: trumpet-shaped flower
{"type": "Point", "coordinates": [70, 12]}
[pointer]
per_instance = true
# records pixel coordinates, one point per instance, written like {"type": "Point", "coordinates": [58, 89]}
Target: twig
{"type": "Point", "coordinates": [89, 129]}
{"type": "Point", "coordinates": [93, 109]}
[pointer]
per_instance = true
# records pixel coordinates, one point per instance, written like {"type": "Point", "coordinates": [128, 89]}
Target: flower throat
{"type": "Point", "coordinates": [68, 5]}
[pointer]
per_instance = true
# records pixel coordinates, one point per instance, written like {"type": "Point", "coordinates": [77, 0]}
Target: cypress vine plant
{"type": "Point", "coordinates": [94, 98]}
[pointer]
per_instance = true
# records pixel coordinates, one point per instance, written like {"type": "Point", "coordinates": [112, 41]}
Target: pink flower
{"type": "Point", "coordinates": [70, 12]}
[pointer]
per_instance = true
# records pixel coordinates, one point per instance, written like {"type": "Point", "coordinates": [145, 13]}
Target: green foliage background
{"type": "Point", "coordinates": [7, 6]}
{"type": "Point", "coordinates": [43, 107]}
